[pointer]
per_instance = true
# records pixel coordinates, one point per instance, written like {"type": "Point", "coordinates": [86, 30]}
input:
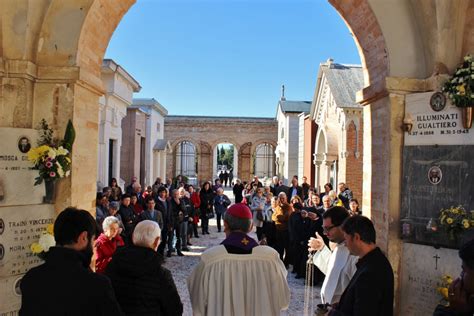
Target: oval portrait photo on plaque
{"type": "Point", "coordinates": [24, 144]}
{"type": "Point", "coordinates": [435, 175]}
{"type": "Point", "coordinates": [438, 101]}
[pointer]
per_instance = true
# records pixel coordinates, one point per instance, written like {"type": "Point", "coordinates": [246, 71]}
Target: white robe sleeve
{"type": "Point", "coordinates": [321, 259]}
{"type": "Point", "coordinates": [197, 290]}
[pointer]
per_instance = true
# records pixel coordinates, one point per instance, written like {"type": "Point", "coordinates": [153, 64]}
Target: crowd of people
{"type": "Point", "coordinates": [295, 226]}
{"type": "Point", "coordinates": [177, 207]}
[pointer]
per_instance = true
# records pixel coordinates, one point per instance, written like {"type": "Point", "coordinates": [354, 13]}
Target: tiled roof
{"type": "Point", "coordinates": [295, 106]}
{"type": "Point", "coordinates": [344, 81]}
{"type": "Point", "coordinates": [160, 144]}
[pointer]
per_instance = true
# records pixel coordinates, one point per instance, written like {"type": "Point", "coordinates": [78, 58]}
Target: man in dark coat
{"type": "Point", "coordinates": [65, 284]}
{"type": "Point", "coordinates": [142, 285]}
{"type": "Point", "coordinates": [237, 190]}
{"type": "Point", "coordinates": [370, 291]}
{"type": "Point", "coordinates": [176, 217]}
{"type": "Point", "coordinates": [163, 204]}
{"type": "Point", "coordinates": [128, 217]}
{"type": "Point", "coordinates": [295, 189]}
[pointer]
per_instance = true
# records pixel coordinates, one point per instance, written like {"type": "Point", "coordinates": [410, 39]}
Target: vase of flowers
{"type": "Point", "coordinates": [52, 161]}
{"type": "Point", "coordinates": [456, 221]}
{"type": "Point", "coordinates": [45, 242]}
{"type": "Point", "coordinates": [460, 89]}
{"type": "Point", "coordinates": [443, 289]}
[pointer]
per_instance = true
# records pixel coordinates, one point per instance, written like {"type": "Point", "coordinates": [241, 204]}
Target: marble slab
{"type": "Point", "coordinates": [20, 226]}
{"type": "Point", "coordinates": [434, 128]}
{"type": "Point", "coordinates": [421, 273]}
{"type": "Point", "coordinates": [16, 174]}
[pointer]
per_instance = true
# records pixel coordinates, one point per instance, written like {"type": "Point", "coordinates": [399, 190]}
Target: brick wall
{"type": "Point", "coordinates": [354, 160]}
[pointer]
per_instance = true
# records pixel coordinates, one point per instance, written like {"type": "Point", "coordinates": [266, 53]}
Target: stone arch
{"type": "Point", "coordinates": [226, 140]}
{"type": "Point", "coordinates": [271, 166]}
{"type": "Point", "coordinates": [373, 52]}
{"type": "Point", "coordinates": [171, 155]}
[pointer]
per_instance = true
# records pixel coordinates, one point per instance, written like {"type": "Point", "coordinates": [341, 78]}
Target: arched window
{"type": "Point", "coordinates": [264, 161]}
{"type": "Point", "coordinates": [186, 159]}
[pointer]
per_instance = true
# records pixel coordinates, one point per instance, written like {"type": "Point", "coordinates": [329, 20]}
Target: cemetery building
{"type": "Point", "coordinates": [338, 149]}
{"type": "Point", "coordinates": [287, 152]}
{"type": "Point", "coordinates": [119, 87]}
{"type": "Point", "coordinates": [144, 147]}
{"type": "Point", "coordinates": [156, 146]}
{"type": "Point", "coordinates": [307, 139]}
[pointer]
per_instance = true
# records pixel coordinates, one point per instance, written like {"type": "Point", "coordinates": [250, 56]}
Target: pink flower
{"type": "Point", "coordinates": [52, 174]}
{"type": "Point", "coordinates": [49, 164]}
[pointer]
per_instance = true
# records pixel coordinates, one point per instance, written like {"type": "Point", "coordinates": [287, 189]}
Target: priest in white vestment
{"type": "Point", "coordinates": [239, 277]}
{"type": "Point", "coordinates": [337, 264]}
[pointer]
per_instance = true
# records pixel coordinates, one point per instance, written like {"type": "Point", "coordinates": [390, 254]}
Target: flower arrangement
{"type": "Point", "coordinates": [460, 87]}
{"type": "Point", "coordinates": [443, 289]}
{"type": "Point", "coordinates": [45, 242]}
{"type": "Point", "coordinates": [455, 220]}
{"type": "Point", "coordinates": [52, 161]}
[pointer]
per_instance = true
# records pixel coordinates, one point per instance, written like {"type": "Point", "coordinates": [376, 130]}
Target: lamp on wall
{"type": "Point", "coordinates": [408, 123]}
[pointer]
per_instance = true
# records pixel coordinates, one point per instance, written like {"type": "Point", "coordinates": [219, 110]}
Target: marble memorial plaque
{"type": "Point", "coordinates": [11, 295]}
{"type": "Point", "coordinates": [23, 226]}
{"type": "Point", "coordinates": [16, 174]}
{"type": "Point", "coordinates": [434, 127]}
{"type": "Point", "coordinates": [421, 273]}
{"type": "Point", "coordinates": [434, 177]}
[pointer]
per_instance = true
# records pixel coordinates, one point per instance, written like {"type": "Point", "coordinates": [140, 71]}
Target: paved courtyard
{"type": "Point", "coordinates": [181, 267]}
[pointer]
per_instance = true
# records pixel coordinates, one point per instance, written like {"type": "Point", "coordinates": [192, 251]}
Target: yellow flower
{"type": "Point", "coordinates": [36, 248]}
{"type": "Point", "coordinates": [444, 292]}
{"type": "Point", "coordinates": [50, 229]}
{"type": "Point", "coordinates": [465, 223]}
{"type": "Point", "coordinates": [52, 153]}
{"type": "Point", "coordinates": [61, 151]}
{"type": "Point", "coordinates": [447, 279]}
{"type": "Point", "coordinates": [449, 220]}
{"type": "Point", "coordinates": [442, 218]}
{"type": "Point", "coordinates": [461, 89]}
{"type": "Point", "coordinates": [35, 154]}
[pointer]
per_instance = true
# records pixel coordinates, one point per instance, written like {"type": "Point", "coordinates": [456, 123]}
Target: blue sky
{"type": "Point", "coordinates": [229, 57]}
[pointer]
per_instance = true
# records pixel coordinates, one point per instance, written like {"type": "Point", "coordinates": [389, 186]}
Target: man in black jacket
{"type": "Point", "coordinates": [142, 285]}
{"type": "Point", "coordinates": [176, 217]}
{"type": "Point", "coordinates": [64, 284]}
{"type": "Point", "coordinates": [128, 217]}
{"type": "Point", "coordinates": [163, 204]}
{"type": "Point", "coordinates": [370, 291]}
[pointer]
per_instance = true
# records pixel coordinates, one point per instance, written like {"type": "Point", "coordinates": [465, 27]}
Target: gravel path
{"type": "Point", "coordinates": [181, 268]}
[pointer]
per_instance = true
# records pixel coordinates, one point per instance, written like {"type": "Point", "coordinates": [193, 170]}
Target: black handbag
{"type": "Point", "coordinates": [210, 215]}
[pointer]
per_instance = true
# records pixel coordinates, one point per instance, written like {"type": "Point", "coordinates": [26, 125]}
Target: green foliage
{"type": "Point", "coordinates": [69, 136]}
{"type": "Point", "coordinates": [460, 87]}
{"type": "Point", "coordinates": [225, 156]}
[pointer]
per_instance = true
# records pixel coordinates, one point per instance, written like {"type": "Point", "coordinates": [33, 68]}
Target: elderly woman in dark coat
{"type": "Point", "coordinates": [142, 286]}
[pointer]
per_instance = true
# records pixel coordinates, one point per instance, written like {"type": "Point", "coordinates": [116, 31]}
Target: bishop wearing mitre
{"type": "Point", "coordinates": [239, 277]}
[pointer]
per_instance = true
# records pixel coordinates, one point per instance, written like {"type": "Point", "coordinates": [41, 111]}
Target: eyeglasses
{"type": "Point", "coordinates": [328, 229]}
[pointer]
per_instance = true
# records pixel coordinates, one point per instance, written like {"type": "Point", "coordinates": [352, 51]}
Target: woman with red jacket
{"type": "Point", "coordinates": [196, 201]}
{"type": "Point", "coordinates": [107, 243]}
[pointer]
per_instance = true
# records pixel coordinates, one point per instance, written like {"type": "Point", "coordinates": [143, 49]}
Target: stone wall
{"type": "Point", "coordinates": [207, 132]}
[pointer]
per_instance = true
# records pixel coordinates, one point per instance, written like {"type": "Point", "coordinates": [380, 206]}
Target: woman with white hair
{"type": "Point", "coordinates": [107, 243]}
{"type": "Point", "coordinates": [142, 286]}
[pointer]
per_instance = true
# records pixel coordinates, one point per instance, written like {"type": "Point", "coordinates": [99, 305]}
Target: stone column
{"type": "Point", "coordinates": [317, 162]}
